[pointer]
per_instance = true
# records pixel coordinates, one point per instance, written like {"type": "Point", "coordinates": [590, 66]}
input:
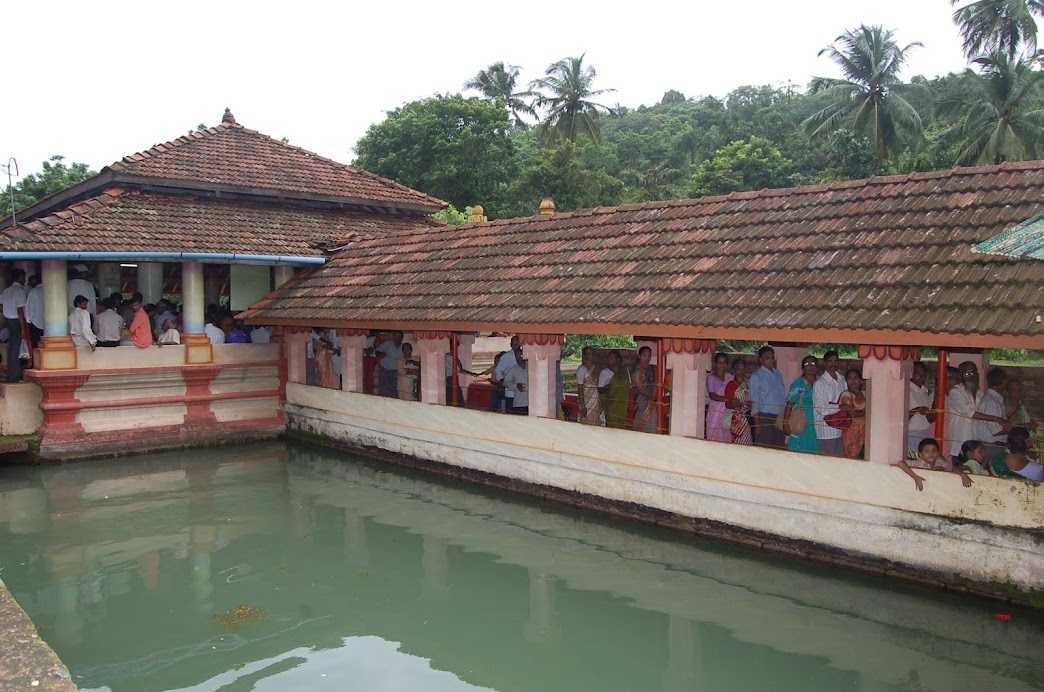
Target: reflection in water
{"type": "Point", "coordinates": [372, 579]}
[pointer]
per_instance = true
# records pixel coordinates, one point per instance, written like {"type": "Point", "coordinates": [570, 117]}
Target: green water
{"type": "Point", "coordinates": [369, 579]}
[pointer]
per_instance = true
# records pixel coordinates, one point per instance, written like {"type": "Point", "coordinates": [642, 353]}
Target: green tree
{"type": "Point", "coordinates": [750, 164]}
{"type": "Point", "coordinates": [497, 82]}
{"type": "Point", "coordinates": [672, 96]}
{"type": "Point", "coordinates": [565, 92]}
{"type": "Point", "coordinates": [54, 176]}
{"type": "Point", "coordinates": [563, 172]}
{"type": "Point", "coordinates": [988, 26]}
{"type": "Point", "coordinates": [868, 100]}
{"type": "Point", "coordinates": [455, 148]}
{"type": "Point", "coordinates": [452, 215]}
{"type": "Point", "coordinates": [1002, 117]}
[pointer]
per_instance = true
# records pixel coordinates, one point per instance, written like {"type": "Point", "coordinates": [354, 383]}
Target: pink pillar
{"type": "Point", "coordinates": [885, 370]}
{"type": "Point", "coordinates": [353, 343]}
{"type": "Point", "coordinates": [542, 353]}
{"type": "Point", "coordinates": [788, 362]}
{"type": "Point", "coordinates": [688, 390]}
{"type": "Point", "coordinates": [431, 351]}
{"type": "Point", "coordinates": [296, 344]}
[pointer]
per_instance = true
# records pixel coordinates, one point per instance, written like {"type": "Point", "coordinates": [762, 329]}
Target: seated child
{"type": "Point", "coordinates": [170, 335]}
{"type": "Point", "coordinates": [972, 458]}
{"type": "Point", "coordinates": [928, 457]}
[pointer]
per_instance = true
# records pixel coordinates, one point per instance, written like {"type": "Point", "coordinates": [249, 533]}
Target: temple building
{"type": "Point", "coordinates": [887, 266]}
{"type": "Point", "coordinates": [218, 215]}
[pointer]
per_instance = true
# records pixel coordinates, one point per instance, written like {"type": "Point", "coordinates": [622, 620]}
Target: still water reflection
{"type": "Point", "coordinates": [356, 577]}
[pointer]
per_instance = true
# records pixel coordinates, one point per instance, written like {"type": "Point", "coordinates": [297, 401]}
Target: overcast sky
{"type": "Point", "coordinates": [98, 80]}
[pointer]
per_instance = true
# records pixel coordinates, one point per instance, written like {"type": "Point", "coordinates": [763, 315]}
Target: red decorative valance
{"type": "Point", "coordinates": [352, 332]}
{"type": "Point", "coordinates": [432, 335]}
{"type": "Point", "coordinates": [673, 345]}
{"type": "Point", "coordinates": [889, 352]}
{"type": "Point", "coordinates": [542, 339]}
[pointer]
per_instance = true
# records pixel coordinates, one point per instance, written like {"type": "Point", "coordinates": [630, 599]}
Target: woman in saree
{"type": "Point", "coordinates": [587, 389]}
{"type": "Point", "coordinates": [800, 396]}
{"type": "Point", "coordinates": [717, 380]}
{"type": "Point", "coordinates": [617, 393]}
{"type": "Point", "coordinates": [324, 364]}
{"type": "Point", "coordinates": [644, 384]}
{"type": "Point", "coordinates": [407, 372]}
{"type": "Point", "coordinates": [737, 400]}
{"type": "Point", "coordinates": [854, 401]}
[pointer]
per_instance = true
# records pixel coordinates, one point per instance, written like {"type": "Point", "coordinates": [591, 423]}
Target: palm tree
{"type": "Point", "coordinates": [1001, 115]}
{"type": "Point", "coordinates": [868, 100]}
{"type": "Point", "coordinates": [991, 25]}
{"type": "Point", "coordinates": [497, 82]}
{"type": "Point", "coordinates": [569, 89]}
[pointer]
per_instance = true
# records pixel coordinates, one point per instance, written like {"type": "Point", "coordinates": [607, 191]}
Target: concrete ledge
{"type": "Point", "coordinates": [986, 539]}
{"type": "Point", "coordinates": [26, 662]}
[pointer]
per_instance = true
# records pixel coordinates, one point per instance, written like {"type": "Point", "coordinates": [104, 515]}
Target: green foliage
{"type": "Point", "coordinates": [565, 92]}
{"type": "Point", "coordinates": [455, 148]}
{"type": "Point", "coordinates": [54, 177]}
{"type": "Point", "coordinates": [750, 164]}
{"type": "Point", "coordinates": [571, 175]}
{"type": "Point", "coordinates": [575, 343]}
{"type": "Point", "coordinates": [998, 25]}
{"type": "Point", "coordinates": [452, 215]}
{"type": "Point", "coordinates": [497, 83]}
{"type": "Point", "coordinates": [869, 97]}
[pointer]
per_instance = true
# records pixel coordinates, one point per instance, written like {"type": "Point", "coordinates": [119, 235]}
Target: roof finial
{"type": "Point", "coordinates": [547, 207]}
{"type": "Point", "coordinates": [228, 118]}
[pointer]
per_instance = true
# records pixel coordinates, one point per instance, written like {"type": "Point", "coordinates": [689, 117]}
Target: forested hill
{"type": "Point", "coordinates": [466, 150]}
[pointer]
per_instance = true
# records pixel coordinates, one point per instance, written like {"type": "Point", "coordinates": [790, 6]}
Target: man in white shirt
{"type": "Point", "coordinates": [992, 409]}
{"type": "Point", "coordinates": [110, 325]}
{"type": "Point", "coordinates": [516, 381]}
{"type": "Point", "coordinates": [214, 333]}
{"type": "Point", "coordinates": [164, 312]}
{"type": "Point", "coordinates": [13, 299]}
{"type": "Point", "coordinates": [962, 410]}
{"type": "Point", "coordinates": [80, 324]}
{"type": "Point", "coordinates": [34, 309]}
{"type": "Point", "coordinates": [919, 407]}
{"type": "Point", "coordinates": [80, 286]}
{"type": "Point", "coordinates": [587, 368]}
{"type": "Point", "coordinates": [827, 390]}
{"type": "Point", "coordinates": [261, 335]}
{"type": "Point", "coordinates": [508, 360]}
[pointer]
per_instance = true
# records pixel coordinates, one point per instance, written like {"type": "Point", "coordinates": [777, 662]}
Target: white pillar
{"type": "Point", "coordinates": [56, 298]}
{"type": "Point", "coordinates": [192, 297]}
{"type": "Point", "coordinates": [353, 343]}
{"type": "Point", "coordinates": [886, 409]}
{"type": "Point", "coordinates": [432, 354]}
{"type": "Point", "coordinates": [689, 392]}
{"type": "Point", "coordinates": [282, 273]}
{"type": "Point", "coordinates": [542, 370]}
{"type": "Point", "coordinates": [150, 281]}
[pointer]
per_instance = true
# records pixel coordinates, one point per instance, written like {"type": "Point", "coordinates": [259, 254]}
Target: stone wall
{"type": "Point", "coordinates": [867, 512]}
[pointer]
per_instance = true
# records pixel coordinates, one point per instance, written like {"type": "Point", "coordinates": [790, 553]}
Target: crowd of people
{"type": "Point", "coordinates": [103, 322]}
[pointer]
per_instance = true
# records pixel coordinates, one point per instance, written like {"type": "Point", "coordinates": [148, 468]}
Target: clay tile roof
{"type": "Point", "coordinates": [131, 221]}
{"type": "Point", "coordinates": [891, 253]}
{"type": "Point", "coordinates": [232, 155]}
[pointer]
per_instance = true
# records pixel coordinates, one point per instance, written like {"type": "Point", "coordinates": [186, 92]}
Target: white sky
{"type": "Point", "coordinates": [98, 80]}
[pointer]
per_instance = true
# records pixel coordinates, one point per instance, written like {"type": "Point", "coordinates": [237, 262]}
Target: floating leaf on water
{"type": "Point", "coordinates": [241, 615]}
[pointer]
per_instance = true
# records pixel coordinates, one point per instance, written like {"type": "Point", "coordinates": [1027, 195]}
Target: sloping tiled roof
{"type": "Point", "coordinates": [121, 220]}
{"type": "Point", "coordinates": [886, 254]}
{"type": "Point", "coordinates": [1024, 240]}
{"type": "Point", "coordinates": [233, 155]}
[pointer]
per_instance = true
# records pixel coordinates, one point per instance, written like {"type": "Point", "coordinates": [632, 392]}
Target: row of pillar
{"type": "Point", "coordinates": [57, 350]}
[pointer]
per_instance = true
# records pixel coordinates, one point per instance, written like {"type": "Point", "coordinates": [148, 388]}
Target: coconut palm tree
{"type": "Point", "coordinates": [1001, 118]}
{"type": "Point", "coordinates": [991, 25]}
{"type": "Point", "coordinates": [565, 91]}
{"type": "Point", "coordinates": [868, 100]}
{"type": "Point", "coordinates": [497, 83]}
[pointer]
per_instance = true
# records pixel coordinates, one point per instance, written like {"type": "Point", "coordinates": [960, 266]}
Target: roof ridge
{"type": "Point", "coordinates": [347, 167]}
{"type": "Point", "coordinates": [810, 188]}
{"type": "Point", "coordinates": [161, 148]}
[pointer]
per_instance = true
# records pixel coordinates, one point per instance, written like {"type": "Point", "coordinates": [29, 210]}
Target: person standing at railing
{"type": "Point", "coordinates": [991, 404]}
{"type": "Point", "coordinates": [80, 324]}
{"type": "Point", "coordinates": [644, 383]}
{"type": "Point", "coordinates": [800, 429]}
{"type": "Point", "coordinates": [717, 380]}
{"type": "Point", "coordinates": [827, 392]}
{"type": "Point", "coordinates": [591, 381]}
{"type": "Point", "coordinates": [516, 382]}
{"type": "Point", "coordinates": [737, 400]}
{"type": "Point", "coordinates": [853, 401]}
{"type": "Point", "coordinates": [141, 326]}
{"type": "Point", "coordinates": [13, 299]}
{"type": "Point", "coordinates": [80, 286]}
{"type": "Point", "coordinates": [34, 309]}
{"type": "Point", "coordinates": [768, 396]}
{"type": "Point", "coordinates": [919, 409]}
{"type": "Point", "coordinates": [962, 411]}
{"type": "Point", "coordinates": [110, 325]}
